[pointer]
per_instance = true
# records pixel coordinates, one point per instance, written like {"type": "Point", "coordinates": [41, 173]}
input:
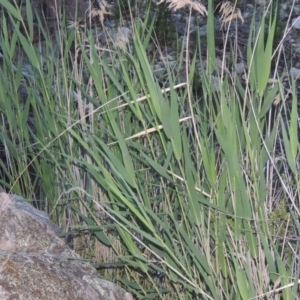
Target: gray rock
{"type": "Point", "coordinates": [296, 23]}
{"type": "Point", "coordinates": [203, 30]}
{"type": "Point", "coordinates": [240, 68]}
{"type": "Point", "coordinates": [295, 72]}
{"type": "Point", "coordinates": [36, 264]}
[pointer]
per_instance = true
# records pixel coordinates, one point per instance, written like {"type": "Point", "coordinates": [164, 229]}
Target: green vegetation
{"type": "Point", "coordinates": [171, 193]}
{"type": "Point", "coordinates": [159, 17]}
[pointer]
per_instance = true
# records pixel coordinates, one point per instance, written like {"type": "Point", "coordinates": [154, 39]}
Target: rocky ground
{"type": "Point", "coordinates": [112, 26]}
{"type": "Point", "coordinates": [172, 25]}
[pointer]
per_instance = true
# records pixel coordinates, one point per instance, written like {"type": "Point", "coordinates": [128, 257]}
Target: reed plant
{"type": "Point", "coordinates": [170, 193]}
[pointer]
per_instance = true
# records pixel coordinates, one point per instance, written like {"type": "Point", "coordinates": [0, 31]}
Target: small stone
{"type": "Point", "coordinates": [261, 2]}
{"type": "Point", "coordinates": [240, 68]}
{"type": "Point", "coordinates": [295, 72]}
{"type": "Point", "coordinates": [180, 28]}
{"type": "Point", "coordinates": [246, 15]}
{"type": "Point", "coordinates": [296, 10]}
{"type": "Point", "coordinates": [215, 83]}
{"type": "Point", "coordinates": [203, 30]}
{"type": "Point", "coordinates": [125, 31]}
{"type": "Point", "coordinates": [283, 15]}
{"type": "Point", "coordinates": [296, 23]}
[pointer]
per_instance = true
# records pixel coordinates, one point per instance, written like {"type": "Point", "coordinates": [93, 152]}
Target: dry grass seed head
{"type": "Point", "coordinates": [102, 11]}
{"type": "Point", "coordinates": [229, 12]}
{"type": "Point", "coordinates": [122, 38]}
{"type": "Point", "coordinates": [177, 4]}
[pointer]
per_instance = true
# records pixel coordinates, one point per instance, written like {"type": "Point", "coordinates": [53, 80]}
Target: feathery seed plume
{"type": "Point", "coordinates": [177, 4]}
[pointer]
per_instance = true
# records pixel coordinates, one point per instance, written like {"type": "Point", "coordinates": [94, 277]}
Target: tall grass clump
{"type": "Point", "coordinates": [168, 193]}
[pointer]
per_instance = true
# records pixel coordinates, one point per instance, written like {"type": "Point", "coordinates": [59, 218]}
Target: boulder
{"type": "Point", "coordinates": [36, 264]}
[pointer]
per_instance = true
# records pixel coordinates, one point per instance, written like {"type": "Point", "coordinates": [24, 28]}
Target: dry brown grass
{"type": "Point", "coordinates": [196, 5]}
